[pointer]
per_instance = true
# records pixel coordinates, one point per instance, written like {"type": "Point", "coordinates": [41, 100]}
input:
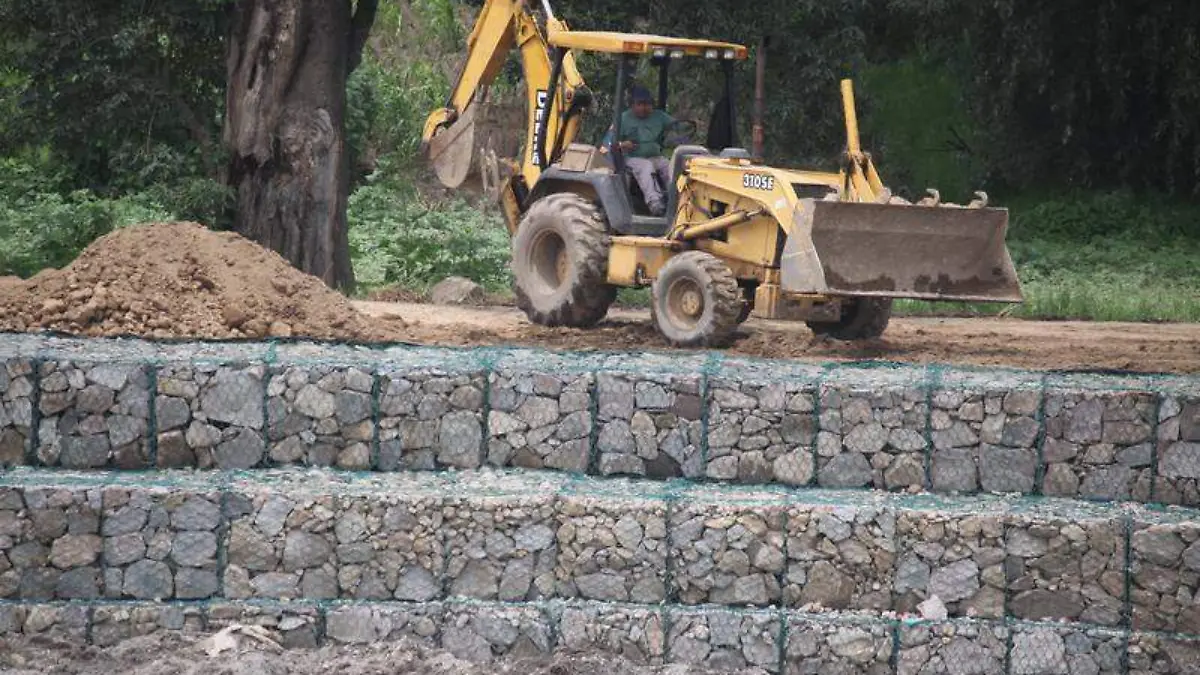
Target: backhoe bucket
{"type": "Point", "coordinates": [452, 150]}
{"type": "Point", "coordinates": [900, 251]}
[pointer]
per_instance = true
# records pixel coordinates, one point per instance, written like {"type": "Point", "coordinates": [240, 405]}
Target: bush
{"type": "Point", "coordinates": [396, 239]}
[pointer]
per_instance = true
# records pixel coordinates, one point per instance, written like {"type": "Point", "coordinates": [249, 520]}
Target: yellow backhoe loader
{"type": "Point", "coordinates": [738, 238]}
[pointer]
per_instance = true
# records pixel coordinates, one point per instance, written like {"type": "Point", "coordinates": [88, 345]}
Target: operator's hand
{"type": "Point", "coordinates": [627, 146]}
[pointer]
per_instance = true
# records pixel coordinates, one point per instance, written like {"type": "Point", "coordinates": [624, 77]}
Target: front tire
{"type": "Point", "coordinates": [697, 301]}
{"type": "Point", "coordinates": [560, 263]}
{"type": "Point", "coordinates": [862, 319]}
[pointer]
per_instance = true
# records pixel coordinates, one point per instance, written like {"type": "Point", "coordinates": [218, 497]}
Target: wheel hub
{"type": "Point", "coordinates": [685, 303]}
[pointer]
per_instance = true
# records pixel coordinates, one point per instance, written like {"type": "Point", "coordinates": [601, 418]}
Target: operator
{"type": "Point", "coordinates": [643, 133]}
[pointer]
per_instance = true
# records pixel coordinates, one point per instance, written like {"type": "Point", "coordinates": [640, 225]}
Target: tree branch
{"type": "Point", "coordinates": [360, 30]}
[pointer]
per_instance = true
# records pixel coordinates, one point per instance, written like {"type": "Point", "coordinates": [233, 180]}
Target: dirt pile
{"type": "Point", "coordinates": [179, 280]}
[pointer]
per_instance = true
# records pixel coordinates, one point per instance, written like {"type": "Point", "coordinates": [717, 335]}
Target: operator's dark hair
{"type": "Point", "coordinates": [640, 94]}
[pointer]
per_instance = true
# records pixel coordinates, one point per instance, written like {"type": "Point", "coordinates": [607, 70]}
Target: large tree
{"type": "Point", "coordinates": [288, 62]}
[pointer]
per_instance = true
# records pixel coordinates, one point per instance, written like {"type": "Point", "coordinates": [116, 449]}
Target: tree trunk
{"type": "Point", "coordinates": [288, 62]}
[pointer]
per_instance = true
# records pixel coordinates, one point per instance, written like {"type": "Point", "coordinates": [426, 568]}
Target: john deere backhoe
{"type": "Point", "coordinates": [738, 238]}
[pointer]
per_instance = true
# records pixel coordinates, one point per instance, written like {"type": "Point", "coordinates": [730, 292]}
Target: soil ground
{"type": "Point", "coordinates": [179, 655]}
{"type": "Point", "coordinates": [1037, 345]}
{"type": "Point", "coordinates": [180, 280]}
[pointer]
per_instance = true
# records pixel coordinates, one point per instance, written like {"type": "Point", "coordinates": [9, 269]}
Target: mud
{"type": "Point", "coordinates": [186, 655]}
{"type": "Point", "coordinates": [1035, 345]}
{"type": "Point", "coordinates": [178, 280]}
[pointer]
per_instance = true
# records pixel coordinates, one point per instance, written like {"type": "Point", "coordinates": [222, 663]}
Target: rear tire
{"type": "Point", "coordinates": [697, 301]}
{"type": "Point", "coordinates": [862, 319]}
{"type": "Point", "coordinates": [560, 263]}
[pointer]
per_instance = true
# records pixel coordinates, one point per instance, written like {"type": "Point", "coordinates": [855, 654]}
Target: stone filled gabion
{"type": "Point", "coordinates": [649, 424]}
{"type": "Point", "coordinates": [872, 429]}
{"type": "Point", "coordinates": [1178, 479]}
{"type": "Point", "coordinates": [93, 415]}
{"type": "Point", "coordinates": [16, 410]}
{"type": "Point", "coordinates": [430, 419]}
{"type": "Point", "coordinates": [116, 623]}
{"type": "Point", "coordinates": [727, 553]}
{"type": "Point", "coordinates": [1153, 654]}
{"type": "Point", "coordinates": [50, 543]}
{"type": "Point", "coordinates": [161, 543]}
{"type": "Point", "coordinates": [1165, 574]}
{"type": "Point", "coordinates": [612, 550]}
{"type": "Point", "coordinates": [840, 557]}
{"type": "Point", "coordinates": [984, 432]}
{"type": "Point", "coordinates": [479, 633]}
{"type": "Point", "coordinates": [724, 640]}
{"type": "Point", "coordinates": [67, 623]}
{"type": "Point", "coordinates": [501, 548]}
{"type": "Point", "coordinates": [320, 416]}
{"type": "Point", "coordinates": [540, 420]}
{"type": "Point", "coordinates": [635, 634]}
{"type": "Point", "coordinates": [379, 547]}
{"type": "Point", "coordinates": [980, 648]}
{"type": "Point", "coordinates": [956, 554]}
{"type": "Point", "coordinates": [833, 645]}
{"type": "Point", "coordinates": [1040, 649]}
{"type": "Point", "coordinates": [1065, 568]}
{"type": "Point", "coordinates": [1099, 445]}
{"type": "Point", "coordinates": [210, 415]}
{"type": "Point", "coordinates": [762, 429]}
{"type": "Point", "coordinates": [296, 626]}
{"type": "Point", "coordinates": [374, 623]}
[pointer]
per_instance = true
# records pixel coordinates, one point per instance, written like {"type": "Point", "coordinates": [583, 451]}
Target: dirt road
{"type": "Point", "coordinates": [1148, 348]}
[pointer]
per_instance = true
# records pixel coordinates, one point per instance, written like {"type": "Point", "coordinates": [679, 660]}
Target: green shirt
{"type": "Point", "coordinates": [648, 133]}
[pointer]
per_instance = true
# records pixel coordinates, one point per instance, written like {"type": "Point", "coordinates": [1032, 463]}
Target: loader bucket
{"type": "Point", "coordinates": [452, 150]}
{"type": "Point", "coordinates": [901, 251]}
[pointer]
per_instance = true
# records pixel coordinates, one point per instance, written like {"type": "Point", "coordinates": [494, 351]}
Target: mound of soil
{"type": "Point", "coordinates": [179, 280]}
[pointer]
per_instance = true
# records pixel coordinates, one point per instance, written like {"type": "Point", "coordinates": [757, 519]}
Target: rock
{"type": "Point", "coordinates": [466, 644]}
{"type": "Point", "coordinates": [516, 579]}
{"type": "Point", "coordinates": [194, 549]}
{"type": "Point", "coordinates": [954, 470]}
{"type": "Point", "coordinates": [417, 584]}
{"type": "Point", "coordinates": [956, 581]}
{"type": "Point", "coordinates": [352, 407]}
{"type": "Point", "coordinates": [303, 550]}
{"type": "Point", "coordinates": [124, 549]}
{"type": "Point", "coordinates": [1158, 546]}
{"type": "Point", "coordinates": [751, 590]}
{"type": "Point", "coordinates": [905, 471]}
{"type": "Point", "coordinates": [195, 584]}
{"type": "Point", "coordinates": [1020, 433]}
{"type": "Point", "coordinates": [605, 585]}
{"type": "Point", "coordinates": [538, 412]}
{"type": "Point", "coordinates": [1108, 483]}
{"type": "Point", "coordinates": [867, 439]}
{"type": "Point", "coordinates": [1086, 422]}
{"type": "Point", "coordinates": [1189, 423]}
{"type": "Point", "coordinates": [477, 580]}
{"type": "Point", "coordinates": [847, 470]}
{"type": "Point", "coordinates": [1006, 469]}
{"type": "Point", "coordinates": [959, 435]}
{"type": "Point", "coordinates": [457, 291]}
{"type": "Point", "coordinates": [148, 580]}
{"type": "Point", "coordinates": [79, 584]}
{"type": "Point", "coordinates": [96, 399]}
{"type": "Point", "coordinates": [314, 402]}
{"type": "Point", "coordinates": [1060, 481]}
{"type": "Point", "coordinates": [126, 520]}
{"type": "Point", "coordinates": [933, 609]}
{"type": "Point", "coordinates": [460, 441]}
{"type": "Point", "coordinates": [911, 575]}
{"type": "Point", "coordinates": [202, 436]}
{"type": "Point", "coordinates": [616, 437]}
{"type": "Point", "coordinates": [196, 513]}
{"type": "Point", "coordinates": [794, 468]}
{"type": "Point", "coordinates": [1038, 652]}
{"type": "Point", "coordinates": [275, 585]}
{"type": "Point", "coordinates": [828, 587]}
{"type": "Point", "coordinates": [1022, 402]}
{"type": "Point", "coordinates": [354, 625]}
{"type": "Point", "coordinates": [1042, 604]}
{"type": "Point", "coordinates": [1181, 460]}
{"type": "Point", "coordinates": [853, 644]}
{"type": "Point", "coordinates": [1191, 557]}
{"type": "Point", "coordinates": [235, 399]}
{"type": "Point", "coordinates": [72, 551]}
{"type": "Point", "coordinates": [88, 452]}
{"type": "Point", "coordinates": [243, 451]}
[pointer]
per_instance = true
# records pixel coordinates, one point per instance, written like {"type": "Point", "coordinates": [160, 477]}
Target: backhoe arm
{"type": "Point", "coordinates": [504, 25]}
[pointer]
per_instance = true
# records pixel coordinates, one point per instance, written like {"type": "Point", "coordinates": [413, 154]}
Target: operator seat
{"type": "Point", "coordinates": [657, 226]}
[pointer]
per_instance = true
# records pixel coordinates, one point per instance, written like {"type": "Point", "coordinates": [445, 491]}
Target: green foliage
{"type": "Point", "coordinates": [103, 84]}
{"type": "Point", "coordinates": [398, 239]}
